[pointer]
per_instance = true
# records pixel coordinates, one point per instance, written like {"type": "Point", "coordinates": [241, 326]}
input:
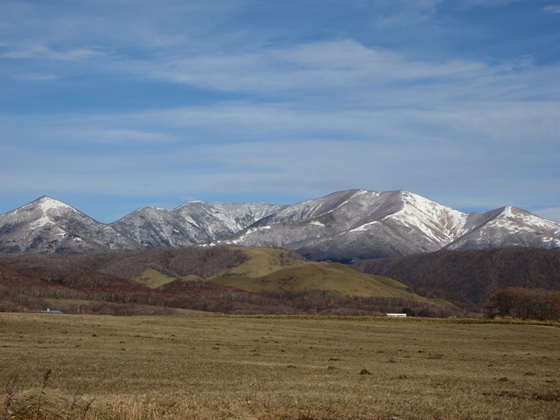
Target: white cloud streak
{"type": "Point", "coordinates": [42, 52]}
{"type": "Point", "coordinates": [348, 70]}
{"type": "Point", "coordinates": [552, 9]}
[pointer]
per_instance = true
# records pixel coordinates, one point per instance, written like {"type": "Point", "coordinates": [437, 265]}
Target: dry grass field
{"type": "Point", "coordinates": [220, 367]}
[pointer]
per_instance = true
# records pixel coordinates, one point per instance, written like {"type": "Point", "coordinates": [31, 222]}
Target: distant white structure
{"type": "Point", "coordinates": [396, 315]}
{"type": "Point", "coordinates": [51, 311]}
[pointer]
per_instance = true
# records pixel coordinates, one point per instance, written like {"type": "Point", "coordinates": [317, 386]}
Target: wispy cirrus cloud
{"type": "Point", "coordinates": [551, 9]}
{"type": "Point", "coordinates": [242, 146]}
{"type": "Point", "coordinates": [36, 76]}
{"type": "Point", "coordinates": [351, 73]}
{"type": "Point", "coordinates": [42, 52]}
{"type": "Point", "coordinates": [403, 12]}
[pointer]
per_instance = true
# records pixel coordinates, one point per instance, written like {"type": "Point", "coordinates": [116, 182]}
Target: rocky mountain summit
{"type": "Point", "coordinates": [345, 226]}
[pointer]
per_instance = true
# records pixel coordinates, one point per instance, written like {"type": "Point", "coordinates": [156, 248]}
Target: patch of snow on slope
{"type": "Point", "coordinates": [412, 220]}
{"type": "Point", "coordinates": [550, 239]}
{"type": "Point", "coordinates": [41, 222]}
{"type": "Point", "coordinates": [449, 219]}
{"type": "Point", "coordinates": [247, 233]}
{"type": "Point", "coordinates": [362, 192]}
{"type": "Point", "coordinates": [364, 227]}
{"type": "Point", "coordinates": [190, 220]}
{"type": "Point", "coordinates": [536, 221]}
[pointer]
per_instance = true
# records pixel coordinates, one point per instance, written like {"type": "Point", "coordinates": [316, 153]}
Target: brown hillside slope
{"type": "Point", "coordinates": [174, 262]}
{"type": "Point", "coordinates": [466, 278]}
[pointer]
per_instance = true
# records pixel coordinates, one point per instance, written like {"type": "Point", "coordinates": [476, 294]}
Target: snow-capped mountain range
{"type": "Point", "coordinates": [360, 224]}
{"type": "Point", "coordinates": [346, 226]}
{"type": "Point", "coordinates": [192, 223]}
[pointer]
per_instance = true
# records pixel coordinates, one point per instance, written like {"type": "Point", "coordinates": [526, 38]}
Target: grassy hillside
{"type": "Point", "coordinates": [153, 278]}
{"type": "Point", "coordinates": [228, 262]}
{"type": "Point", "coordinates": [263, 261]}
{"type": "Point", "coordinates": [323, 276]}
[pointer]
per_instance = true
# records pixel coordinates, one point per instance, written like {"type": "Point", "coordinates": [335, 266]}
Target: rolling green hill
{"type": "Point", "coordinates": [269, 269]}
{"type": "Point", "coordinates": [249, 263]}
{"type": "Point", "coordinates": [263, 261]}
{"type": "Point", "coordinates": [323, 276]}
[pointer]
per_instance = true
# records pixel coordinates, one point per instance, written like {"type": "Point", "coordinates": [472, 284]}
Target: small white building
{"type": "Point", "coordinates": [396, 315]}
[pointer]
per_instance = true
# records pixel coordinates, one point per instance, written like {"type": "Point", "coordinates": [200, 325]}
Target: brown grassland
{"type": "Point", "coordinates": [241, 367]}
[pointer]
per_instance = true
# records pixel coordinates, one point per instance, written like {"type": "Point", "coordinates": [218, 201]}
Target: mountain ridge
{"type": "Point", "coordinates": [362, 224]}
{"type": "Point", "coordinates": [345, 226]}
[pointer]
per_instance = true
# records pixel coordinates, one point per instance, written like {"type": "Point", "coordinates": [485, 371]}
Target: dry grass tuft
{"type": "Point", "coordinates": [47, 404]}
{"type": "Point", "coordinates": [10, 394]}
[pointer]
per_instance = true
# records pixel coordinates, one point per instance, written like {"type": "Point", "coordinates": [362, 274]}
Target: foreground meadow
{"type": "Point", "coordinates": [208, 367]}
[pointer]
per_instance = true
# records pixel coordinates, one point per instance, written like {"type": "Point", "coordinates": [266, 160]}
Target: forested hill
{"type": "Point", "coordinates": [234, 280]}
{"type": "Point", "coordinates": [466, 278]}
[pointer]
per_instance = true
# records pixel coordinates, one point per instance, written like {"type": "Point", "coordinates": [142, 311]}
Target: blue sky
{"type": "Point", "coordinates": [113, 105]}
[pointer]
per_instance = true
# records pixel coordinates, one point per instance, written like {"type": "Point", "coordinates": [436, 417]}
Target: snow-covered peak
{"type": "Point", "coordinates": [427, 206]}
{"type": "Point", "coordinates": [509, 211]}
{"type": "Point", "coordinates": [194, 203]}
{"type": "Point", "coordinates": [523, 217]}
{"type": "Point", "coordinates": [346, 224]}
{"type": "Point", "coordinates": [440, 223]}
{"type": "Point", "coordinates": [47, 225]}
{"type": "Point", "coordinates": [46, 203]}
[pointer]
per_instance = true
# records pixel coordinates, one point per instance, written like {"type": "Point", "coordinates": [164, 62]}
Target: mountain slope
{"type": "Point", "coordinates": [507, 227]}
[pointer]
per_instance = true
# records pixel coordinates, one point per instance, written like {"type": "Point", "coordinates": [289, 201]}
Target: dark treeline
{"type": "Point", "coordinates": [519, 302]}
{"type": "Point", "coordinates": [467, 278]}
